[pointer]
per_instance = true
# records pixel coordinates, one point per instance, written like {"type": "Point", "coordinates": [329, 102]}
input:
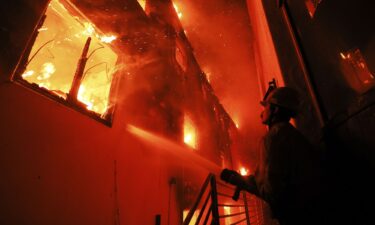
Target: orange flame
{"type": "Point", "coordinates": [244, 171]}
{"type": "Point", "coordinates": [57, 50]}
{"type": "Point", "coordinates": [179, 14]}
{"type": "Point", "coordinates": [142, 3]}
{"type": "Point", "coordinates": [89, 30]}
{"type": "Point", "coordinates": [189, 133]}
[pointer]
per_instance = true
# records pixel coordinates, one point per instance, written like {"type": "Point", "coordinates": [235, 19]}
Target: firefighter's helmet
{"type": "Point", "coordinates": [285, 97]}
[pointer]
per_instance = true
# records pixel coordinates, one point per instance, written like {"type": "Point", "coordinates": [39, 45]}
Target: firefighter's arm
{"type": "Point", "coordinates": [246, 183]}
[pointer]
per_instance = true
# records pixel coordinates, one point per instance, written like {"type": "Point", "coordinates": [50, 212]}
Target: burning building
{"type": "Point", "coordinates": [115, 111]}
{"type": "Point", "coordinates": [131, 75]}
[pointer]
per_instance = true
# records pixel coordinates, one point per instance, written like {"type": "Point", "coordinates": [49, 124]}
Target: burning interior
{"type": "Point", "coordinates": [57, 61]}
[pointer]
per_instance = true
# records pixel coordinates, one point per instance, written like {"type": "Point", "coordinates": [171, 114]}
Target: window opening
{"type": "Point", "coordinates": [71, 59]}
{"type": "Point", "coordinates": [356, 71]}
{"type": "Point", "coordinates": [190, 132]}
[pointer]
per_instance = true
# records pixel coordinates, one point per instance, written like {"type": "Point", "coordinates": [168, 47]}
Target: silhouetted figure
{"type": "Point", "coordinates": [288, 174]}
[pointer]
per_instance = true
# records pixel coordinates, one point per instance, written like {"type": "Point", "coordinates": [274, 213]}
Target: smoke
{"type": "Point", "coordinates": [220, 33]}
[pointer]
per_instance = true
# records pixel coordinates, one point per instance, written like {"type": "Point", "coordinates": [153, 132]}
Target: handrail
{"type": "Point", "coordinates": [203, 208]}
{"type": "Point", "coordinates": [228, 205]}
{"type": "Point", "coordinates": [231, 215]}
{"type": "Point", "coordinates": [194, 208]}
{"type": "Point", "coordinates": [215, 210]}
{"type": "Point", "coordinates": [208, 199]}
{"type": "Point", "coordinates": [240, 221]}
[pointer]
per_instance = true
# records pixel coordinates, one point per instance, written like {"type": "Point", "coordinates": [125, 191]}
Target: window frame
{"type": "Point", "coordinates": [16, 77]}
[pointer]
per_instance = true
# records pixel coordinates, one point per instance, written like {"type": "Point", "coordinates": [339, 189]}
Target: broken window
{"type": "Point", "coordinates": [70, 59]}
{"type": "Point", "coordinates": [356, 71]}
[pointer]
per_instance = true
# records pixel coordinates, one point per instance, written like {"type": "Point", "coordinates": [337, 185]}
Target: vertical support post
{"type": "Point", "coordinates": [258, 210]}
{"type": "Point", "coordinates": [214, 202]}
{"type": "Point", "coordinates": [311, 87]}
{"type": "Point", "coordinates": [246, 208]}
{"type": "Point", "coordinates": [158, 219]}
{"type": "Point", "coordinates": [77, 80]}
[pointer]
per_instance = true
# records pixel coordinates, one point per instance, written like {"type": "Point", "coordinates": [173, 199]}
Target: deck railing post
{"type": "Point", "coordinates": [246, 208]}
{"type": "Point", "coordinates": [215, 208]}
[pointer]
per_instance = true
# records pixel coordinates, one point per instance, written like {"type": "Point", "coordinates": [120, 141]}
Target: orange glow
{"type": "Point", "coordinates": [142, 3]}
{"type": "Point", "coordinates": [179, 13]}
{"type": "Point", "coordinates": [82, 97]}
{"type": "Point", "coordinates": [244, 171]}
{"type": "Point", "coordinates": [89, 30]}
{"type": "Point", "coordinates": [208, 76]}
{"type": "Point", "coordinates": [28, 74]}
{"type": "Point", "coordinates": [189, 133]}
{"type": "Point", "coordinates": [56, 52]}
{"type": "Point", "coordinates": [108, 39]}
{"type": "Point", "coordinates": [42, 29]}
{"type": "Point", "coordinates": [194, 218]}
{"type": "Point", "coordinates": [236, 123]}
{"type": "Point", "coordinates": [227, 211]}
{"type": "Point", "coordinates": [356, 71]}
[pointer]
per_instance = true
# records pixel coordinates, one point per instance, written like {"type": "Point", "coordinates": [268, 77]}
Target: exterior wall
{"type": "Point", "coordinates": [58, 166]}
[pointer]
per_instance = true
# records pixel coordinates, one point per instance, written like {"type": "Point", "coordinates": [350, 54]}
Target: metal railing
{"type": "Point", "coordinates": [215, 206]}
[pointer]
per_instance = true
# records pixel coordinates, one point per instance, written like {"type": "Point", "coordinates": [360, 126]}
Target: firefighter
{"type": "Point", "coordinates": [288, 173]}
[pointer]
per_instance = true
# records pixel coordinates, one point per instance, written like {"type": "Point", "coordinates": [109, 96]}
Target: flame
{"type": "Point", "coordinates": [235, 121]}
{"type": "Point", "coordinates": [208, 76]}
{"type": "Point", "coordinates": [58, 49]}
{"type": "Point", "coordinates": [84, 97]}
{"type": "Point", "coordinates": [189, 133]}
{"type": "Point", "coordinates": [28, 74]}
{"type": "Point", "coordinates": [46, 85]}
{"type": "Point", "coordinates": [244, 171]}
{"type": "Point", "coordinates": [89, 30]}
{"type": "Point", "coordinates": [227, 211]}
{"type": "Point", "coordinates": [342, 55]}
{"type": "Point", "coordinates": [142, 3]}
{"type": "Point", "coordinates": [108, 39]}
{"type": "Point", "coordinates": [43, 29]}
{"type": "Point", "coordinates": [179, 14]}
{"type": "Point", "coordinates": [47, 70]}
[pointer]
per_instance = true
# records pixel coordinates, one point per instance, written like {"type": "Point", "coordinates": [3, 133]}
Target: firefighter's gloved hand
{"type": "Point", "coordinates": [231, 176]}
{"type": "Point", "coordinates": [234, 178]}
{"type": "Point", "coordinates": [245, 183]}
